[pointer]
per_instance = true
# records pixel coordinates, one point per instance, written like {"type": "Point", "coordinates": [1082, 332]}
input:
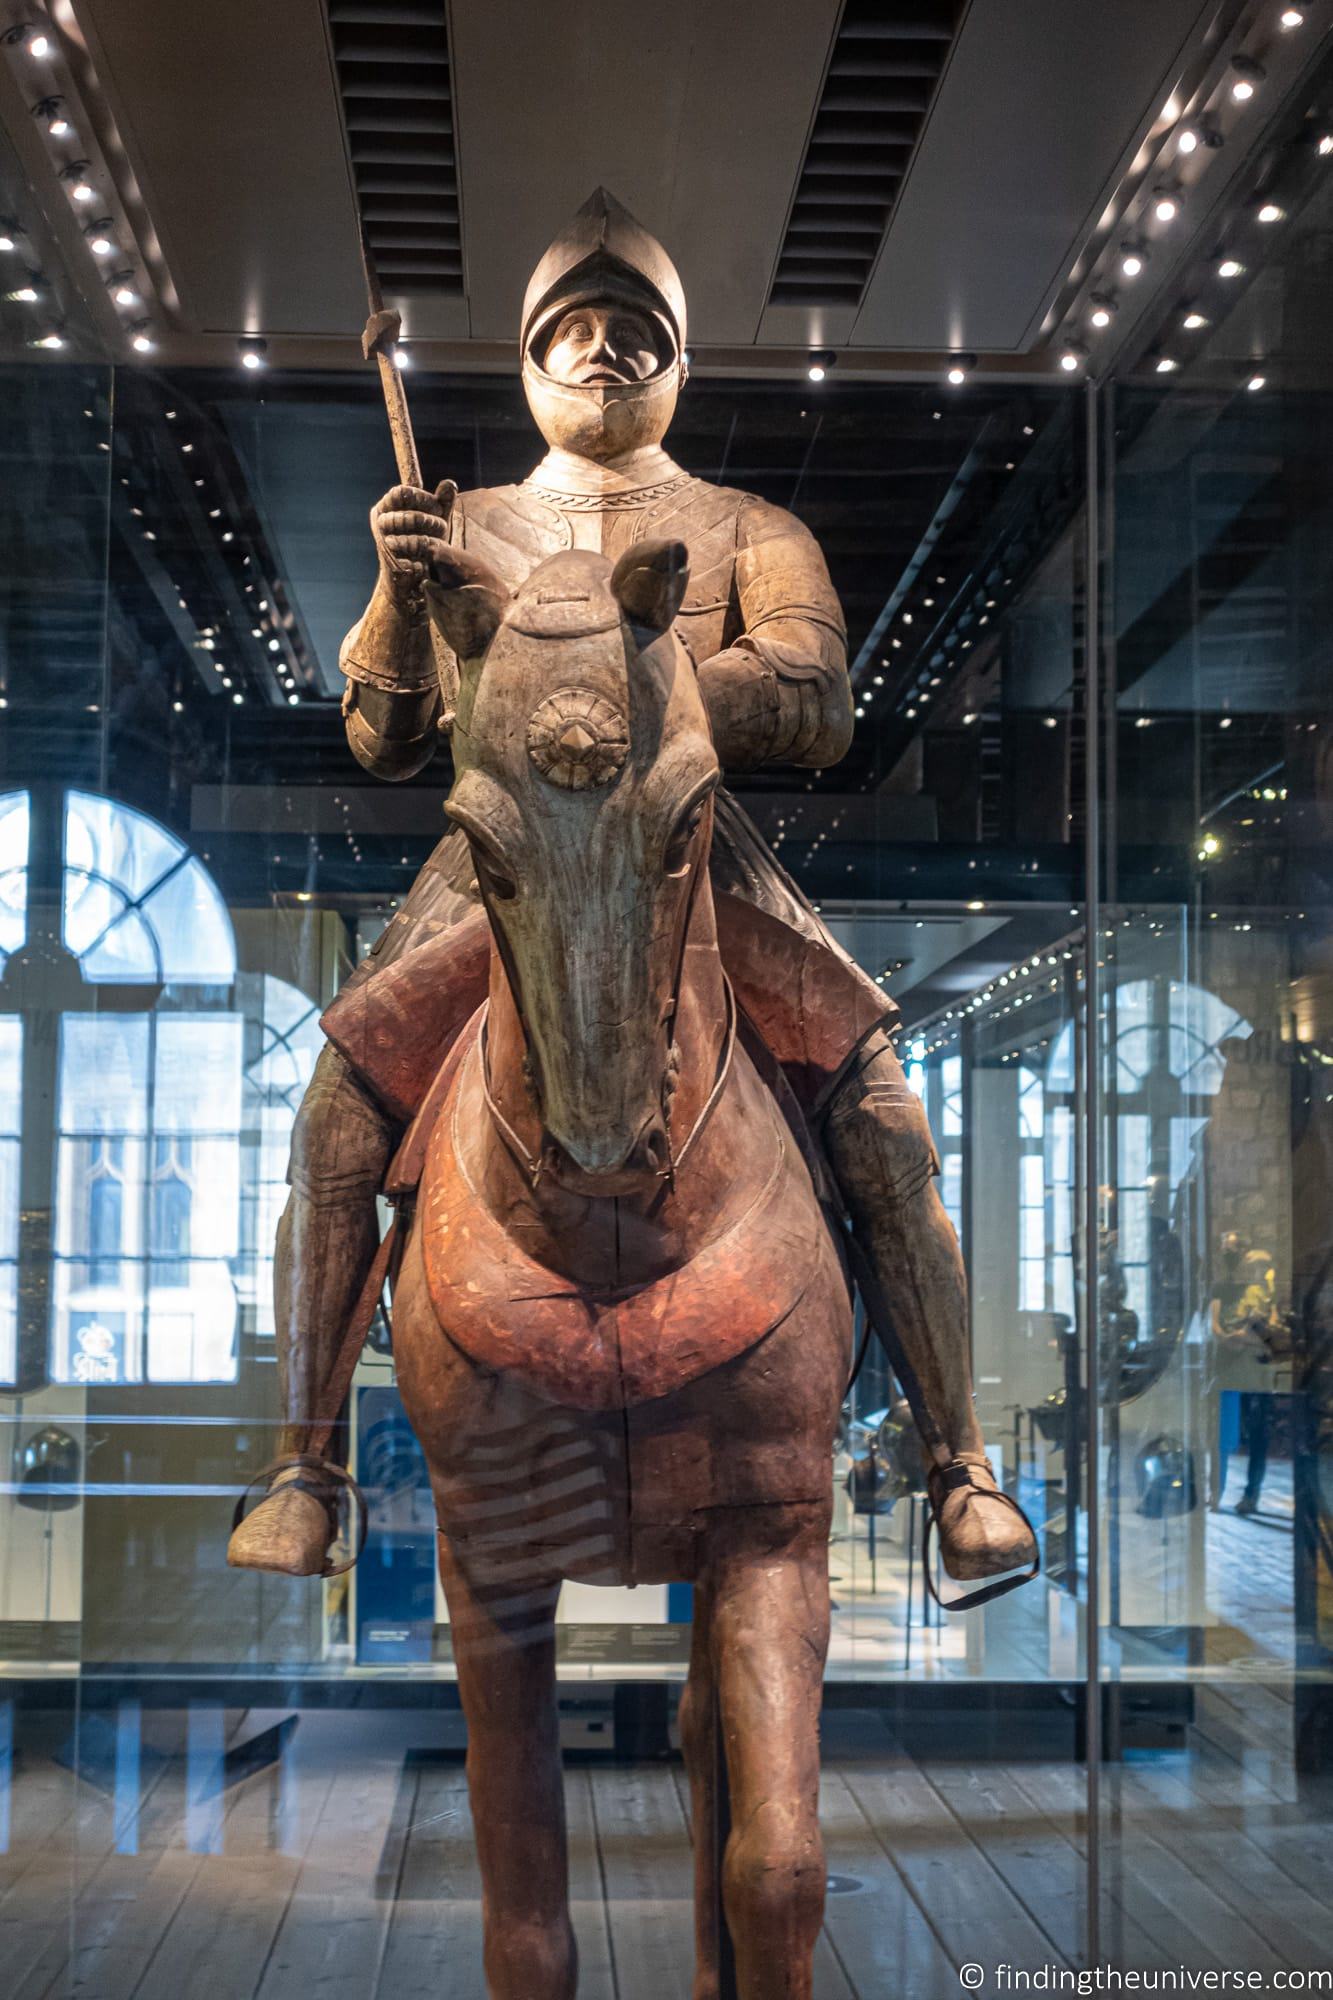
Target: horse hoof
{"type": "Point", "coordinates": [981, 1534]}
{"type": "Point", "coordinates": [288, 1533]}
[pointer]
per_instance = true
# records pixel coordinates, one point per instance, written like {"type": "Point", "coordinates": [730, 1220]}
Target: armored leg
{"type": "Point", "coordinates": [911, 1274]}
{"type": "Point", "coordinates": [342, 1143]}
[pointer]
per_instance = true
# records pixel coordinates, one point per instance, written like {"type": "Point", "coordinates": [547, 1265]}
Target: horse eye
{"type": "Point", "coordinates": [677, 857]}
{"type": "Point", "coordinates": [492, 877]}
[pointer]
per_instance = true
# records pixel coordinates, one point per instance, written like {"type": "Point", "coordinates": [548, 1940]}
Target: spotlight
{"type": "Point", "coordinates": [9, 234]}
{"type": "Point", "coordinates": [100, 241]}
{"type": "Point", "coordinates": [1072, 356]}
{"type": "Point", "coordinates": [821, 360]}
{"type": "Point", "coordinates": [1166, 365]}
{"type": "Point", "coordinates": [275, 645]}
{"type": "Point", "coordinates": [143, 342]}
{"type": "Point", "coordinates": [1249, 75]}
{"type": "Point", "coordinates": [40, 46]}
{"type": "Point", "coordinates": [1187, 140]}
{"type": "Point", "coordinates": [1324, 145]}
{"type": "Point", "coordinates": [125, 295]}
{"type": "Point", "coordinates": [50, 340]}
{"type": "Point", "coordinates": [401, 357]}
{"type": "Point", "coordinates": [1193, 321]}
{"type": "Point", "coordinates": [1133, 259]}
{"type": "Point", "coordinates": [1229, 268]}
{"type": "Point", "coordinates": [1270, 212]}
{"type": "Point", "coordinates": [51, 109]}
{"type": "Point", "coordinates": [75, 177]}
{"type": "Point", "coordinates": [292, 700]}
{"type": "Point", "coordinates": [1166, 208]}
{"type": "Point", "coordinates": [1103, 310]}
{"type": "Point", "coordinates": [253, 351]}
{"type": "Point", "coordinates": [960, 367]}
{"type": "Point", "coordinates": [1290, 17]}
{"type": "Point", "coordinates": [1255, 383]}
{"type": "Point", "coordinates": [26, 295]}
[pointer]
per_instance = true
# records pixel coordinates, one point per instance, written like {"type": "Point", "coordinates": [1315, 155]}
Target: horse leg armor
{"type": "Point", "coordinates": [342, 1143]}
{"type": "Point", "coordinates": [910, 1271]}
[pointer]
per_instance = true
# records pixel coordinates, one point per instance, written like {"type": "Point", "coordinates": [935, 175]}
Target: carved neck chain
{"type": "Point", "coordinates": [533, 1165]}
{"type": "Point", "coordinates": [605, 503]}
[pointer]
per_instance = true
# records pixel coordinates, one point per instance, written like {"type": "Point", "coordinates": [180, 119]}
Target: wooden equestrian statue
{"type": "Point", "coordinates": [618, 1275]}
{"type": "Point", "coordinates": [603, 339]}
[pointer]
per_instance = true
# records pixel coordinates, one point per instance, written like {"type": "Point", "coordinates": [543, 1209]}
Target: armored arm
{"type": "Point", "coordinates": [780, 693]}
{"type": "Point", "coordinates": [388, 658]}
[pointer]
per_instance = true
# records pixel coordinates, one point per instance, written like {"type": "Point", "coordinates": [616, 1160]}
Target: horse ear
{"type": "Point", "coordinates": [649, 581]}
{"type": "Point", "coordinates": [466, 599]}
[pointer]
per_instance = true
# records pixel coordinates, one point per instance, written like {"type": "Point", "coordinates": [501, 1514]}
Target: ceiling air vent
{"type": "Point", "coordinates": [392, 60]}
{"type": "Point", "coordinates": [888, 56]}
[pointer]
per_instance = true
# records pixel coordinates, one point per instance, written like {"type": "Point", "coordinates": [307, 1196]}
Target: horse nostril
{"type": "Point", "coordinates": [656, 1151]}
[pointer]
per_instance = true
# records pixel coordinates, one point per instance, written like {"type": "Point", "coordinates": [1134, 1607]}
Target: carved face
{"type": "Point", "coordinates": [597, 344]}
{"type": "Point", "coordinates": [584, 771]}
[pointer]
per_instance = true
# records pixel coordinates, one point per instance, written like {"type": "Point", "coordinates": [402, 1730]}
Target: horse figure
{"type": "Point", "coordinates": [621, 1323]}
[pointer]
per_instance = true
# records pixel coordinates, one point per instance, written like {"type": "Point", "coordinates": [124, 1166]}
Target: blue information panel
{"type": "Point", "coordinates": [395, 1578]}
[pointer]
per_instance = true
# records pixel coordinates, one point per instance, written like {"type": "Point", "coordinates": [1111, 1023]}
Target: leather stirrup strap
{"type": "Point", "coordinates": [971, 1600]}
{"type": "Point", "coordinates": [354, 1339]}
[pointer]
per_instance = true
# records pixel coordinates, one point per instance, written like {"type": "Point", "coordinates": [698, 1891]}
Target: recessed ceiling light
{"type": "Point", "coordinates": [1166, 365]}
{"type": "Point", "coordinates": [1292, 17]}
{"type": "Point", "coordinates": [1255, 383]}
{"type": "Point", "coordinates": [1270, 212]}
{"type": "Point", "coordinates": [1325, 145]}
{"type": "Point", "coordinates": [143, 344]}
{"type": "Point", "coordinates": [1187, 140]}
{"type": "Point", "coordinates": [1193, 321]}
{"type": "Point", "coordinates": [1229, 268]}
{"type": "Point", "coordinates": [1166, 208]}
{"type": "Point", "coordinates": [1132, 261]}
{"type": "Point", "coordinates": [1249, 75]}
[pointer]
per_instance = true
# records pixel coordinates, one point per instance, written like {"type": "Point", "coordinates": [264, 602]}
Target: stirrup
{"type": "Point", "coordinates": [942, 1479]}
{"type": "Point", "coordinates": [320, 1478]}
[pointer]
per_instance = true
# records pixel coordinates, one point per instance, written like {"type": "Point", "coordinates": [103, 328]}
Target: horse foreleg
{"type": "Point", "coordinates": [699, 1742]}
{"type": "Point", "coordinates": [503, 1628]}
{"type": "Point", "coordinates": [770, 1626]}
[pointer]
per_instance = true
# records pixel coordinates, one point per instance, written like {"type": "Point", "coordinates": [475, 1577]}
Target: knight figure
{"type": "Point", "coordinates": [603, 356]}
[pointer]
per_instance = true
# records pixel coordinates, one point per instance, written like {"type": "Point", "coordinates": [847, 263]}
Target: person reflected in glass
{"type": "Point", "coordinates": [1246, 1327]}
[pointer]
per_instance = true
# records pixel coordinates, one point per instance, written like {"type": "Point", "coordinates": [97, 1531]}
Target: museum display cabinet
{"type": "Point", "coordinates": [1083, 837]}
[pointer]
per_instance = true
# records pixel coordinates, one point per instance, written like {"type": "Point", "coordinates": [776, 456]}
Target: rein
{"type": "Point", "coordinates": [533, 1165]}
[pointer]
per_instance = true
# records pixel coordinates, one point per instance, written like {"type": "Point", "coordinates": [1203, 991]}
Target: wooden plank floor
{"type": "Point", "coordinates": [345, 1870]}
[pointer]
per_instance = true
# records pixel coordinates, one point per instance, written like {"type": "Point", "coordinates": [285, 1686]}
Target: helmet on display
{"type": "Point", "coordinates": [1164, 1475]}
{"type": "Point", "coordinates": [604, 256]}
{"type": "Point", "coordinates": [886, 1461]}
{"type": "Point", "coordinates": [48, 1470]}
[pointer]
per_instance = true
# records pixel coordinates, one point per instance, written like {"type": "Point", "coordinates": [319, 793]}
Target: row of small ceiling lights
{"type": "Point", "coordinates": [36, 42]}
{"type": "Point", "coordinates": [271, 626]}
{"type": "Point", "coordinates": [1164, 203]}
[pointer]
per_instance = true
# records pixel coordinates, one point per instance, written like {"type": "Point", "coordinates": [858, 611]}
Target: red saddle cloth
{"type": "Point", "coordinates": [811, 1006]}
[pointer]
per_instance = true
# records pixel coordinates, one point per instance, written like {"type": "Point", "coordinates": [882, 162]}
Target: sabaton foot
{"type": "Point", "coordinates": [288, 1532]}
{"type": "Point", "coordinates": [981, 1533]}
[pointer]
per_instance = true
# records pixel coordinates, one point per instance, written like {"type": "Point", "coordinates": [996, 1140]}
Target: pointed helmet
{"type": "Point", "coordinates": [604, 255]}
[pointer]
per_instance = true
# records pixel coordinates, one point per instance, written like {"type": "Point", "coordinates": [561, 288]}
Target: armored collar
{"type": "Point", "coordinates": [606, 503]}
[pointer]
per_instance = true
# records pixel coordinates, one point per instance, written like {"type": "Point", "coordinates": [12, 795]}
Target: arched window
{"type": "Point", "coordinates": [137, 905]}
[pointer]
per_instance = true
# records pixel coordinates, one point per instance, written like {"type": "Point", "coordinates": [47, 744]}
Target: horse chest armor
{"type": "Point", "coordinates": [609, 1350]}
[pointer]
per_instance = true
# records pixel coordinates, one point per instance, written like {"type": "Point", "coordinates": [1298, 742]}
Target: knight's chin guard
{"type": "Point", "coordinates": [604, 255]}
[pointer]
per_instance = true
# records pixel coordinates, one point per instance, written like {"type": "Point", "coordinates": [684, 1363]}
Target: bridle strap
{"type": "Point", "coordinates": [530, 1164]}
